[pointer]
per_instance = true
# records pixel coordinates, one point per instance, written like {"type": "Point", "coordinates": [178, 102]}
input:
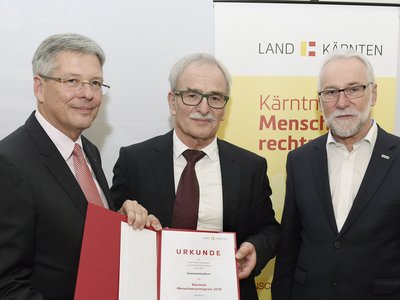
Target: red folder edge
{"type": "Point", "coordinates": [98, 272]}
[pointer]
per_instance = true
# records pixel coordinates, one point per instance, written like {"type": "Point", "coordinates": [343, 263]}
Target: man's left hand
{"type": "Point", "coordinates": [247, 258]}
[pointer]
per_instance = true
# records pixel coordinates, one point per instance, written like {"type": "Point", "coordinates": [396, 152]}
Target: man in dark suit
{"type": "Point", "coordinates": [42, 206]}
{"type": "Point", "coordinates": [341, 218]}
{"type": "Point", "coordinates": [234, 188]}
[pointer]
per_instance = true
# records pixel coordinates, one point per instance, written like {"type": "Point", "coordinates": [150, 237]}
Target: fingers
{"type": "Point", "coordinates": [245, 249]}
{"type": "Point", "coordinates": [153, 222]}
{"type": "Point", "coordinates": [138, 217]}
{"type": "Point", "coordinates": [136, 214]}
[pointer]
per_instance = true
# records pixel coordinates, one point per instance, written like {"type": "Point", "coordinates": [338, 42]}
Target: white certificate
{"type": "Point", "coordinates": [177, 264]}
{"type": "Point", "coordinates": [138, 264]}
{"type": "Point", "coordinates": [198, 265]}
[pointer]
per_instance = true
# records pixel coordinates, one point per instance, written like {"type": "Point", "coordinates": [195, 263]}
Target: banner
{"type": "Point", "coordinates": [274, 52]}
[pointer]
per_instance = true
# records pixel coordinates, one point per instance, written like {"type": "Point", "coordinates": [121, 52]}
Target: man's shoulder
{"type": "Point", "coordinates": [151, 143]}
{"type": "Point", "coordinates": [14, 141]}
{"type": "Point", "coordinates": [383, 134]}
{"type": "Point", "coordinates": [21, 137]}
{"type": "Point", "coordinates": [18, 150]}
{"type": "Point", "coordinates": [228, 148]}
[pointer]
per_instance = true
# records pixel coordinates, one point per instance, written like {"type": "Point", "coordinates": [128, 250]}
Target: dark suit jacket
{"type": "Point", "coordinates": [145, 172]}
{"type": "Point", "coordinates": [42, 215]}
{"type": "Point", "coordinates": [362, 261]}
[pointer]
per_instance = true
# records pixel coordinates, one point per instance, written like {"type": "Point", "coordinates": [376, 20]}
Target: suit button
{"type": "Point", "coordinates": [334, 282]}
{"type": "Point", "coordinates": [337, 245]}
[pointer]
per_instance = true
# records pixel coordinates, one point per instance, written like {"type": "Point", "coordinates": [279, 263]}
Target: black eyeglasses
{"type": "Point", "coordinates": [76, 84]}
{"type": "Point", "coordinates": [192, 98]}
{"type": "Point", "coordinates": [351, 92]}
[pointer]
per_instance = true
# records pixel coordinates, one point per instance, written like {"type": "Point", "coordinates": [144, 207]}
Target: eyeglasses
{"type": "Point", "coordinates": [191, 98]}
{"type": "Point", "coordinates": [351, 92]}
{"type": "Point", "coordinates": [77, 84]}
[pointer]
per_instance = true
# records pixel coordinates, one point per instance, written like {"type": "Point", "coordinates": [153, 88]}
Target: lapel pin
{"type": "Point", "coordinates": [385, 156]}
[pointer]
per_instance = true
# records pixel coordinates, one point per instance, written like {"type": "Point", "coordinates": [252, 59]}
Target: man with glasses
{"type": "Point", "coordinates": [49, 172]}
{"type": "Point", "coordinates": [233, 188]}
{"type": "Point", "coordinates": [341, 218]}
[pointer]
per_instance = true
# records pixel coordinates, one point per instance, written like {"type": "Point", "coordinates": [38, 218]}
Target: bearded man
{"type": "Point", "coordinates": [341, 218]}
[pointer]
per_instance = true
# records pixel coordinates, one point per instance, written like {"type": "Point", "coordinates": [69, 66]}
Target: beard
{"type": "Point", "coordinates": [347, 128]}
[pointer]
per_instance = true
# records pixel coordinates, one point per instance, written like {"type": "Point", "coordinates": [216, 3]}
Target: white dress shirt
{"type": "Point", "coordinates": [208, 172]}
{"type": "Point", "coordinates": [65, 146]}
{"type": "Point", "coordinates": [346, 171]}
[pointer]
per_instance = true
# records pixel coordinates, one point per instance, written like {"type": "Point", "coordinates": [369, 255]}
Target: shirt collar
{"type": "Point", "coordinates": [369, 138]}
{"type": "Point", "coordinates": [63, 143]}
{"type": "Point", "coordinates": [210, 150]}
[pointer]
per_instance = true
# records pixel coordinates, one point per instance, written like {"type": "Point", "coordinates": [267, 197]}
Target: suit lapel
{"type": "Point", "coordinates": [55, 164]}
{"type": "Point", "coordinates": [230, 173]}
{"type": "Point", "coordinates": [321, 177]}
{"type": "Point", "coordinates": [163, 165]}
{"type": "Point", "coordinates": [382, 158]}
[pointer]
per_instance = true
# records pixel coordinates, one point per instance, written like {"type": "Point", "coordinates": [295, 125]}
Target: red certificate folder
{"type": "Point", "coordinates": [99, 267]}
{"type": "Point", "coordinates": [98, 273]}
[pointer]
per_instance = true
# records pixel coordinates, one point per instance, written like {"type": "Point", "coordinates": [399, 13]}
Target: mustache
{"type": "Point", "coordinates": [339, 113]}
{"type": "Point", "coordinates": [199, 116]}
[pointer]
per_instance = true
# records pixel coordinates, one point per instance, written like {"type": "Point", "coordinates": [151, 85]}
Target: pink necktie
{"type": "Point", "coordinates": [84, 177]}
{"type": "Point", "coordinates": [186, 208]}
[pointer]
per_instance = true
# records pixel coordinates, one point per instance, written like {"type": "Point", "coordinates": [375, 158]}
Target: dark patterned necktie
{"type": "Point", "coordinates": [186, 206]}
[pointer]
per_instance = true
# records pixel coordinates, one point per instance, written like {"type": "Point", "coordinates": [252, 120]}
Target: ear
{"type": "Point", "coordinates": [374, 94]}
{"type": "Point", "coordinates": [38, 88]}
{"type": "Point", "coordinates": [172, 103]}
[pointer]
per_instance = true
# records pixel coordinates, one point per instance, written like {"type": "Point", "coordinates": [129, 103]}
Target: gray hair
{"type": "Point", "coordinates": [43, 59]}
{"type": "Point", "coordinates": [345, 54]}
{"type": "Point", "coordinates": [201, 58]}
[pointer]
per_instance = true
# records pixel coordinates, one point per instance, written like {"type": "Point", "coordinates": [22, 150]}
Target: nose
{"type": "Point", "coordinates": [342, 100]}
{"type": "Point", "coordinates": [86, 91]}
{"type": "Point", "coordinates": [203, 105]}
